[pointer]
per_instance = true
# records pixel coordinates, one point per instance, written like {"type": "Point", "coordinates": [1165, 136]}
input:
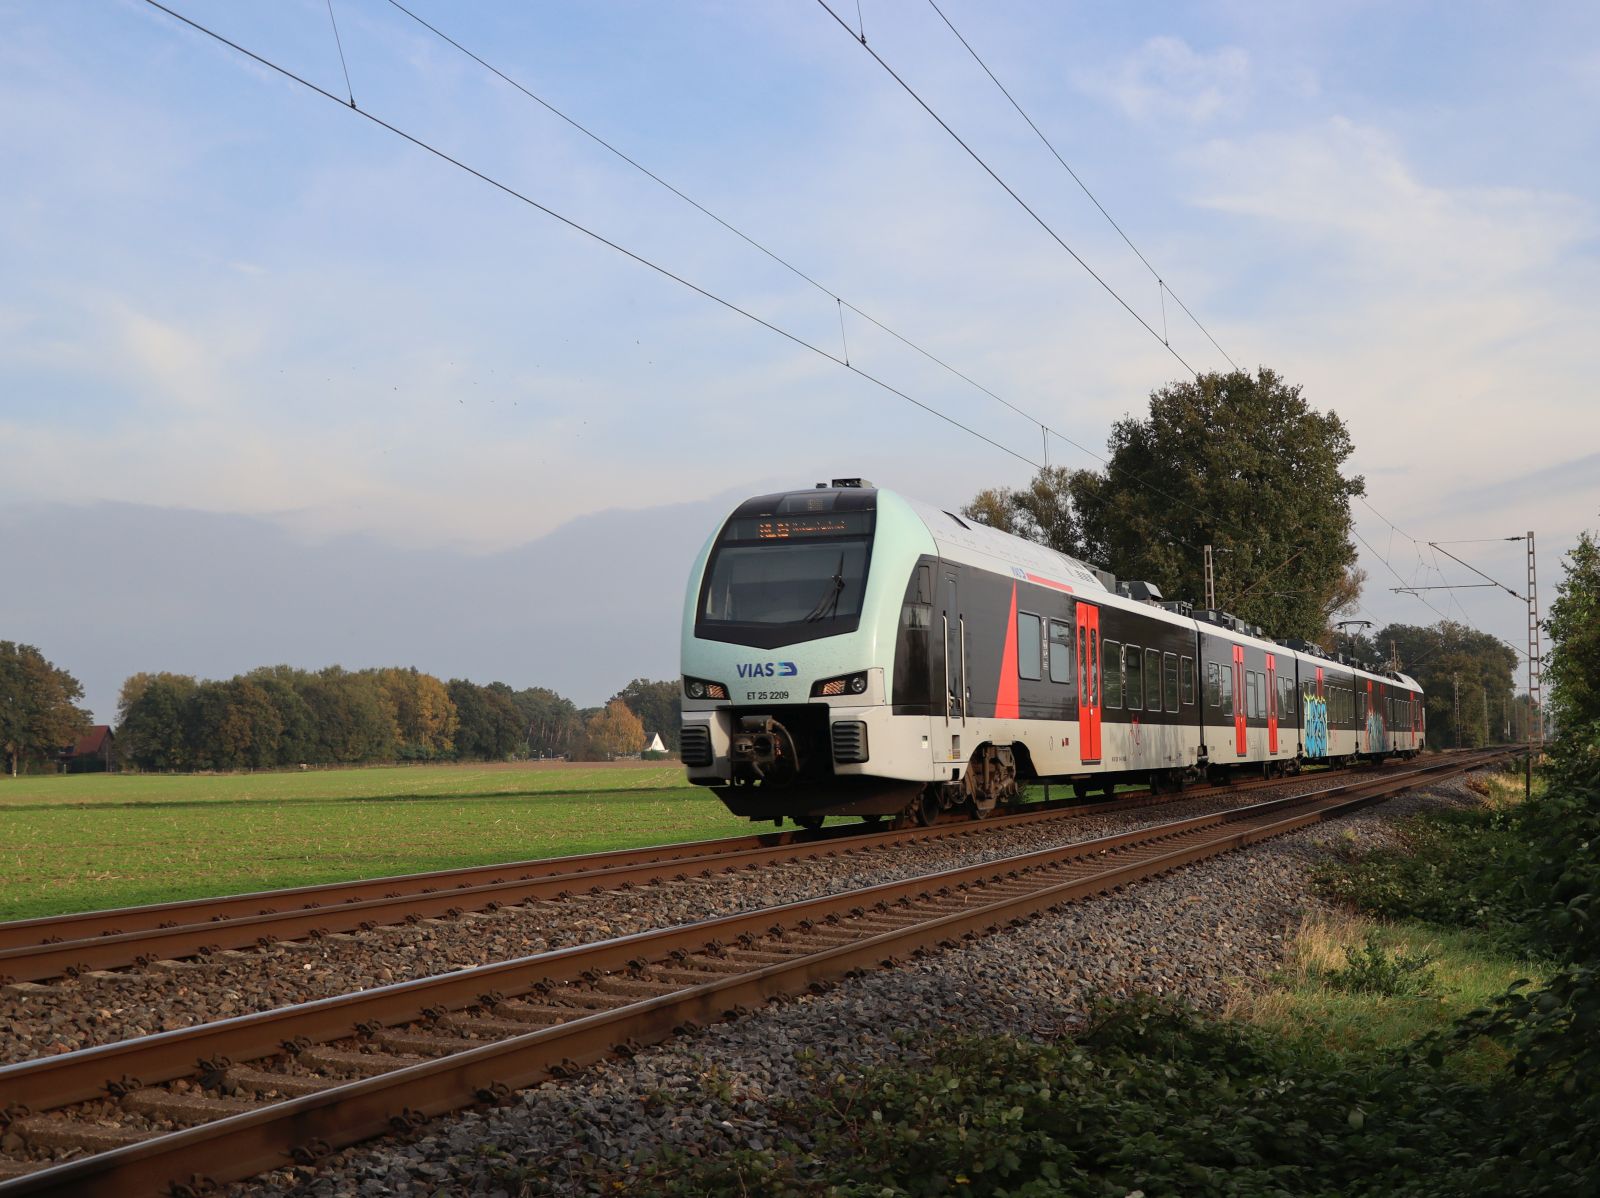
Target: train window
{"type": "Point", "coordinates": [1112, 656]}
{"type": "Point", "coordinates": [1361, 708]}
{"type": "Point", "coordinates": [1152, 679]}
{"type": "Point", "coordinates": [1133, 679]}
{"type": "Point", "coordinates": [1227, 689]}
{"type": "Point", "coordinates": [1029, 631]}
{"type": "Point", "coordinates": [1213, 685]}
{"type": "Point", "coordinates": [1250, 695]}
{"type": "Point", "coordinates": [1060, 648]}
{"type": "Point", "coordinates": [1286, 709]}
{"type": "Point", "coordinates": [1169, 664]}
{"type": "Point", "coordinates": [1186, 677]}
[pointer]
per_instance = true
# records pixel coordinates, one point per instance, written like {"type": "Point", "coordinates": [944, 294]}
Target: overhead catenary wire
{"type": "Point", "coordinates": [1009, 190]}
{"type": "Point", "coordinates": [1162, 286]}
{"type": "Point", "coordinates": [587, 232]}
{"type": "Point", "coordinates": [665, 272]}
{"type": "Point", "coordinates": [339, 45]}
{"type": "Point", "coordinates": [821, 287]}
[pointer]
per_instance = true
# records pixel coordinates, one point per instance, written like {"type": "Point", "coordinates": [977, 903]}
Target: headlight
{"type": "Point", "coordinates": [854, 684]}
{"type": "Point", "coordinates": [699, 688]}
{"type": "Point", "coordinates": [696, 689]}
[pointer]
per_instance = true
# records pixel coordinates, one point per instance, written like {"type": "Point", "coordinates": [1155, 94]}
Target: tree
{"type": "Point", "coordinates": [1468, 676]}
{"type": "Point", "coordinates": [1574, 669]}
{"type": "Point", "coordinates": [489, 727]}
{"type": "Point", "coordinates": [551, 724]}
{"type": "Point", "coordinates": [297, 743]}
{"type": "Point", "coordinates": [1041, 512]}
{"type": "Point", "coordinates": [351, 720]}
{"type": "Point", "coordinates": [152, 720]}
{"type": "Point", "coordinates": [612, 732]}
{"type": "Point", "coordinates": [39, 715]}
{"type": "Point", "coordinates": [659, 706]}
{"type": "Point", "coordinates": [233, 725]}
{"type": "Point", "coordinates": [1242, 463]}
{"type": "Point", "coordinates": [425, 717]}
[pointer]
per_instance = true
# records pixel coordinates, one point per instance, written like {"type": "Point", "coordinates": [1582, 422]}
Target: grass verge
{"type": "Point", "coordinates": [86, 842]}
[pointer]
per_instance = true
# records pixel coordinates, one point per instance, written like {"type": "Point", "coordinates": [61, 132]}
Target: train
{"type": "Point", "coordinates": [850, 651]}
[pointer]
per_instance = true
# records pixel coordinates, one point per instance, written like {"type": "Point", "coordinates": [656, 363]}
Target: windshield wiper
{"type": "Point", "coordinates": [829, 602]}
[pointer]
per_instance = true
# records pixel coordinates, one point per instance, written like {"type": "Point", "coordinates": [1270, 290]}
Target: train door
{"type": "Point", "coordinates": [1240, 742]}
{"type": "Point", "coordinates": [955, 659]}
{"type": "Point", "coordinates": [1272, 704]}
{"type": "Point", "coordinates": [1089, 682]}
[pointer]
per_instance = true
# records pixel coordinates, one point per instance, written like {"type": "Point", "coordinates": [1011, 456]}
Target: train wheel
{"type": "Point", "coordinates": [927, 807]}
{"type": "Point", "coordinates": [1080, 791]}
{"type": "Point", "coordinates": [809, 822]}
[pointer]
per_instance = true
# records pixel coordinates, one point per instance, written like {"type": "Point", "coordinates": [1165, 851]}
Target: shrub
{"type": "Point", "coordinates": [1371, 970]}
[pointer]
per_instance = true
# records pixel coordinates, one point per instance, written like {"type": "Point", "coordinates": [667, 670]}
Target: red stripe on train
{"type": "Point", "coordinates": [1005, 702]}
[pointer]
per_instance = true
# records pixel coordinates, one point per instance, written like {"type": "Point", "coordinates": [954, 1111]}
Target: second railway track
{"type": "Point", "coordinates": [293, 1084]}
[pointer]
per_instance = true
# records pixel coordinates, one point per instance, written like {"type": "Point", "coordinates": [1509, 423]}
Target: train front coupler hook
{"type": "Point", "coordinates": [762, 750]}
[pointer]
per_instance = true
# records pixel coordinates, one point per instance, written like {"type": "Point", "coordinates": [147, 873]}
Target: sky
{"type": "Point", "coordinates": [278, 385]}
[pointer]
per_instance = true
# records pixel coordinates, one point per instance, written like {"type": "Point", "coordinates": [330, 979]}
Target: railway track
{"type": "Point", "coordinates": [36, 950]}
{"type": "Point", "coordinates": [178, 1112]}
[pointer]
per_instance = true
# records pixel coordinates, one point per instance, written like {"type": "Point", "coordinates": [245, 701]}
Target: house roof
{"type": "Point", "coordinates": [93, 741]}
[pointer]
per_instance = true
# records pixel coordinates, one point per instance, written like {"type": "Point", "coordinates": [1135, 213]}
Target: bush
{"type": "Point", "coordinates": [1371, 970]}
{"type": "Point", "coordinates": [1150, 1098]}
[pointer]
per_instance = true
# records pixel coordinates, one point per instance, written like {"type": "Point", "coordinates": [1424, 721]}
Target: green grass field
{"type": "Point", "coordinates": [80, 842]}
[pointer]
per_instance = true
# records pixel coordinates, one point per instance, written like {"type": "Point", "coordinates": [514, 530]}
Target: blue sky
{"type": "Point", "coordinates": [221, 294]}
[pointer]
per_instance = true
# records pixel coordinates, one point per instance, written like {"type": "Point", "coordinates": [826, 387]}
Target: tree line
{"type": "Point", "coordinates": [283, 716]}
{"type": "Point", "coordinates": [278, 716]}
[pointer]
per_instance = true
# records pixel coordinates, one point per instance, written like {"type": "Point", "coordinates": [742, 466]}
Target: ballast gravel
{"type": "Point", "coordinates": [106, 1006]}
{"type": "Point", "coordinates": [1197, 935]}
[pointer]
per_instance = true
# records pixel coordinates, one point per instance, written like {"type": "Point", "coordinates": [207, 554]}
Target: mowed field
{"type": "Point", "coordinates": [79, 842]}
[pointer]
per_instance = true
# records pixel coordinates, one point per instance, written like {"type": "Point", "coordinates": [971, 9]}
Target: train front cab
{"type": "Point", "coordinates": [793, 612]}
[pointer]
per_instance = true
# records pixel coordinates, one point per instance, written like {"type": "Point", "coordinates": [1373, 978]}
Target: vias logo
{"type": "Point", "coordinates": [767, 669]}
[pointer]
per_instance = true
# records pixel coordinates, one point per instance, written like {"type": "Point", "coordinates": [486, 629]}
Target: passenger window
{"type": "Point", "coordinates": [1060, 648]}
{"type": "Point", "coordinates": [1112, 655]}
{"type": "Point", "coordinates": [1133, 678]}
{"type": "Point", "coordinates": [1213, 685]}
{"type": "Point", "coordinates": [1028, 632]}
{"type": "Point", "coordinates": [1152, 679]}
{"type": "Point", "coordinates": [1186, 677]}
{"type": "Point", "coordinates": [1250, 693]}
{"type": "Point", "coordinates": [1227, 690]}
{"type": "Point", "coordinates": [1170, 676]}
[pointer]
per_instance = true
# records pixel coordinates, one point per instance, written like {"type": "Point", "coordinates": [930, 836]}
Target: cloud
{"type": "Point", "coordinates": [1339, 180]}
{"type": "Point", "coordinates": [1166, 78]}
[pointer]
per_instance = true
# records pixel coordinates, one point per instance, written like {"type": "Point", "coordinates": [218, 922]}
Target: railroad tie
{"type": "Point", "coordinates": [188, 1108]}
{"type": "Point", "coordinates": [50, 1131]}
{"type": "Point", "coordinates": [364, 1064]}
{"type": "Point", "coordinates": [269, 1085]}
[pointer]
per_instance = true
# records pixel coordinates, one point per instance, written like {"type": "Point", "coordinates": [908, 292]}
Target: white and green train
{"type": "Point", "coordinates": [850, 651]}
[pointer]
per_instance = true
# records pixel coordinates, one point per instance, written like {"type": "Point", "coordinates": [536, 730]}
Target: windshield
{"type": "Point", "coordinates": [786, 583]}
{"type": "Point", "coordinates": [788, 568]}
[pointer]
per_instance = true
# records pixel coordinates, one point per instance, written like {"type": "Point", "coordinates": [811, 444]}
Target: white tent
{"type": "Point", "coordinates": [655, 745]}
